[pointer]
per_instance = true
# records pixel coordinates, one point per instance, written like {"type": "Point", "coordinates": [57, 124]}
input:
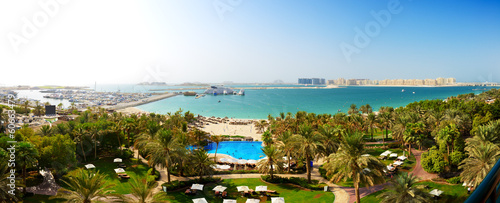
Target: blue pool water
{"type": "Point", "coordinates": [238, 149]}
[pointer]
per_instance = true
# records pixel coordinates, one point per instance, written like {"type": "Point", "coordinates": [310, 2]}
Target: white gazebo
{"type": "Point", "coordinates": [117, 160]}
{"type": "Point", "coordinates": [261, 188]}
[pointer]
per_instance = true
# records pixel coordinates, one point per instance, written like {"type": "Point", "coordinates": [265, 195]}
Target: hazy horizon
{"type": "Point", "coordinates": [127, 42]}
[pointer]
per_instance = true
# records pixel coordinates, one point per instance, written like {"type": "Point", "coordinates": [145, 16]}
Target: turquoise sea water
{"type": "Point", "coordinates": [238, 149]}
{"type": "Point", "coordinates": [257, 104]}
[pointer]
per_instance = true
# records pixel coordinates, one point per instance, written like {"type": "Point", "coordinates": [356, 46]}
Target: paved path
{"type": "Point", "coordinates": [418, 170]}
{"type": "Point", "coordinates": [47, 187]}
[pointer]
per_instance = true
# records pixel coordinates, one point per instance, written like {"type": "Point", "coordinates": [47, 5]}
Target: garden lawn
{"type": "Point", "coordinates": [106, 166]}
{"type": "Point", "coordinates": [451, 194]}
{"type": "Point", "coordinates": [291, 193]}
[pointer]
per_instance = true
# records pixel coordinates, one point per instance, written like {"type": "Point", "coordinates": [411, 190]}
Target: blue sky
{"type": "Point", "coordinates": [251, 41]}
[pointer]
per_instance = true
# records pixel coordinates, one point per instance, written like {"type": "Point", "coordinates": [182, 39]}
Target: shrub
{"type": "Point", "coordinates": [433, 161]}
{"type": "Point", "coordinates": [157, 174]}
{"type": "Point", "coordinates": [454, 180]}
{"type": "Point", "coordinates": [322, 172]}
{"type": "Point", "coordinates": [457, 157]}
{"type": "Point", "coordinates": [126, 154]}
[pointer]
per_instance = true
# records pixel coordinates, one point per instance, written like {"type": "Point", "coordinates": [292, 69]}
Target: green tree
{"type": "Point", "coordinates": [143, 191]}
{"type": "Point", "coordinates": [287, 146]}
{"type": "Point", "coordinates": [5, 196]}
{"type": "Point", "coordinates": [309, 144]}
{"type": "Point", "coordinates": [482, 157]}
{"type": "Point", "coordinates": [57, 152]}
{"type": "Point", "coordinates": [26, 155]}
{"type": "Point", "coordinates": [162, 149]}
{"type": "Point", "coordinates": [274, 161]}
{"type": "Point", "coordinates": [403, 189]}
{"type": "Point", "coordinates": [353, 109]}
{"type": "Point", "coordinates": [348, 162]}
{"type": "Point", "coordinates": [201, 163]}
{"type": "Point", "coordinates": [216, 139]}
{"type": "Point", "coordinates": [86, 187]}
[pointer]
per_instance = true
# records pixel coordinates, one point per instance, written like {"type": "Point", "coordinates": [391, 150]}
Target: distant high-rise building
{"type": "Point", "coordinates": [312, 81]}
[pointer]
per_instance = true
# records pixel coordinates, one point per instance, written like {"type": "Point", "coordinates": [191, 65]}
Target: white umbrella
{"type": "Point", "coordinates": [366, 155]}
{"type": "Point", "coordinates": [200, 200]}
{"type": "Point", "coordinates": [465, 184]}
{"type": "Point", "coordinates": [224, 160]}
{"type": "Point", "coordinates": [117, 160]}
{"type": "Point", "coordinates": [261, 188]}
{"type": "Point", "coordinates": [252, 201]}
{"type": "Point", "coordinates": [197, 187]}
{"type": "Point", "coordinates": [242, 161]}
{"type": "Point", "coordinates": [436, 192]}
{"type": "Point", "coordinates": [251, 161]}
{"type": "Point", "coordinates": [119, 170]}
{"type": "Point", "coordinates": [277, 200]}
{"type": "Point", "coordinates": [229, 201]}
{"type": "Point", "coordinates": [242, 188]}
{"type": "Point", "coordinates": [390, 168]}
{"type": "Point", "coordinates": [89, 166]}
{"type": "Point", "coordinates": [224, 167]}
{"type": "Point", "coordinates": [219, 188]}
{"type": "Point", "coordinates": [402, 158]}
{"type": "Point", "coordinates": [393, 155]}
{"type": "Point", "coordinates": [398, 163]}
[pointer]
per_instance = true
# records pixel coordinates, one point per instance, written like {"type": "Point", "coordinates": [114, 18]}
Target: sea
{"type": "Point", "coordinates": [259, 103]}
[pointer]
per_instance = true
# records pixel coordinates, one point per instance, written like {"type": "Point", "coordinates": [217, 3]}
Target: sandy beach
{"type": "Point", "coordinates": [227, 129]}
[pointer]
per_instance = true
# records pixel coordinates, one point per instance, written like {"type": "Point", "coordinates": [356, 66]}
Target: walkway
{"type": "Point", "coordinates": [47, 187]}
{"type": "Point", "coordinates": [418, 170]}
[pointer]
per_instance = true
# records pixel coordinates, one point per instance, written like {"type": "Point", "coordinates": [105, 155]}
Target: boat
{"type": "Point", "coordinates": [403, 90]}
{"type": "Point", "coordinates": [199, 95]}
{"type": "Point", "coordinates": [413, 92]}
{"type": "Point", "coordinates": [219, 89]}
{"type": "Point", "coordinates": [242, 92]}
{"type": "Point", "coordinates": [189, 93]}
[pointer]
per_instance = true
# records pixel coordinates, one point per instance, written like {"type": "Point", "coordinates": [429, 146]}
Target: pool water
{"type": "Point", "coordinates": [238, 149]}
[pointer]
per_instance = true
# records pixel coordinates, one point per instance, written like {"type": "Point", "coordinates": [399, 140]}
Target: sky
{"type": "Point", "coordinates": [70, 42]}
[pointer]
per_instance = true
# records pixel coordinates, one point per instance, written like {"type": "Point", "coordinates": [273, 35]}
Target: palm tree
{"type": "Point", "coordinates": [331, 142]}
{"type": "Point", "coordinates": [309, 143]}
{"type": "Point", "coordinates": [348, 162]}
{"type": "Point", "coordinates": [94, 133]}
{"type": "Point", "coordinates": [371, 120]}
{"type": "Point", "coordinates": [38, 109]}
{"type": "Point", "coordinates": [482, 157]}
{"type": "Point", "coordinates": [45, 130]}
{"type": "Point", "coordinates": [161, 150]}
{"type": "Point", "coordinates": [287, 146]}
{"type": "Point", "coordinates": [403, 189]}
{"type": "Point", "coordinates": [353, 109]}
{"type": "Point", "coordinates": [366, 109]}
{"type": "Point", "coordinates": [274, 161]}
{"type": "Point", "coordinates": [201, 163]}
{"type": "Point", "coordinates": [385, 121]}
{"type": "Point", "coordinates": [412, 132]}
{"type": "Point", "coordinates": [261, 125]}
{"type": "Point", "coordinates": [27, 156]}
{"type": "Point", "coordinates": [26, 104]}
{"type": "Point", "coordinates": [86, 187]}
{"type": "Point", "coordinates": [5, 196]}
{"type": "Point", "coordinates": [216, 139]}
{"type": "Point", "coordinates": [447, 135]}
{"type": "Point", "coordinates": [143, 191]}
{"type": "Point", "coordinates": [80, 135]}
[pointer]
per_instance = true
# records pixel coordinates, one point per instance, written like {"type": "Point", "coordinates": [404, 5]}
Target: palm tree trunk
{"type": "Point", "coordinates": [271, 172]}
{"type": "Point", "coordinates": [168, 175]}
{"type": "Point", "coordinates": [356, 191]}
{"type": "Point", "coordinates": [83, 152]}
{"type": "Point", "coordinates": [95, 148]}
{"type": "Point", "coordinates": [216, 148]}
{"type": "Point", "coordinates": [308, 167]}
{"type": "Point", "coordinates": [24, 178]}
{"type": "Point", "coordinates": [409, 149]}
{"type": "Point", "coordinates": [289, 160]}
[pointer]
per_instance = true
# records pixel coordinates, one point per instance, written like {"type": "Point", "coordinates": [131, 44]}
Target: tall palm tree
{"type": "Point", "coordinates": [348, 162]}
{"type": "Point", "coordinates": [287, 146]}
{"type": "Point", "coordinates": [353, 109]}
{"type": "Point", "coordinates": [403, 189]}
{"type": "Point", "coordinates": [26, 105]}
{"type": "Point", "coordinates": [216, 139]}
{"type": "Point", "coordinates": [273, 162]}
{"type": "Point", "coordinates": [5, 196]}
{"type": "Point", "coordinates": [45, 130]}
{"type": "Point", "coordinates": [201, 163]}
{"type": "Point", "coordinates": [161, 150]}
{"type": "Point", "coordinates": [86, 187]}
{"type": "Point", "coordinates": [309, 143]}
{"type": "Point", "coordinates": [371, 119]}
{"type": "Point", "coordinates": [143, 191]}
{"type": "Point", "coordinates": [412, 132]}
{"type": "Point", "coordinates": [331, 141]}
{"type": "Point", "coordinates": [482, 157]}
{"type": "Point", "coordinates": [79, 135]}
{"type": "Point", "coordinates": [27, 157]}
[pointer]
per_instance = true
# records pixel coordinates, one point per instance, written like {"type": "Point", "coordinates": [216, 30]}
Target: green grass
{"type": "Point", "coordinates": [42, 199]}
{"type": "Point", "coordinates": [451, 194]}
{"type": "Point", "coordinates": [289, 192]}
{"type": "Point", "coordinates": [106, 166]}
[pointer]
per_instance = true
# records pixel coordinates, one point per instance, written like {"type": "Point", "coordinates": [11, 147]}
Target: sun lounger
{"type": "Point", "coordinates": [272, 191]}
{"type": "Point", "coordinates": [124, 176]}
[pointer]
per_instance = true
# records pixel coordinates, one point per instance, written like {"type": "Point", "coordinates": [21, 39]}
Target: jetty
{"type": "Point", "coordinates": [141, 102]}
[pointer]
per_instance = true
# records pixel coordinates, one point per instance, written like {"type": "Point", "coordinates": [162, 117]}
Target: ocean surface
{"type": "Point", "coordinates": [257, 104]}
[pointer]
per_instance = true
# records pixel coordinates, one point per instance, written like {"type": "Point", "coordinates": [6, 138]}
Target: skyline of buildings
{"type": "Point", "coordinates": [395, 82]}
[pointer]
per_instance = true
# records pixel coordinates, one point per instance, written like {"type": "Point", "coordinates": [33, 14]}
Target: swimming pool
{"type": "Point", "coordinates": [238, 149]}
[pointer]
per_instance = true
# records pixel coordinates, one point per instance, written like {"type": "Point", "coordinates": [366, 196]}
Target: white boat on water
{"type": "Point", "coordinates": [241, 92]}
{"type": "Point", "coordinates": [403, 90]}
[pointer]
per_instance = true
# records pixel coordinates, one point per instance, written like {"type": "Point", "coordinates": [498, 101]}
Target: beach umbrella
{"type": "Point", "coordinates": [117, 160]}
{"type": "Point", "coordinates": [224, 167]}
{"type": "Point", "coordinates": [219, 188]}
{"type": "Point", "coordinates": [393, 155]}
{"type": "Point", "coordinates": [252, 201]}
{"type": "Point", "coordinates": [229, 201]}
{"type": "Point", "coordinates": [465, 184]}
{"type": "Point", "coordinates": [242, 188]}
{"type": "Point", "coordinates": [197, 186]}
{"type": "Point", "coordinates": [200, 200]}
{"type": "Point", "coordinates": [261, 188]}
{"type": "Point", "coordinates": [251, 161]}
{"type": "Point", "coordinates": [242, 161]}
{"type": "Point", "coordinates": [402, 157]}
{"type": "Point", "coordinates": [436, 192]}
{"type": "Point", "coordinates": [366, 155]}
{"type": "Point", "coordinates": [89, 166]}
{"type": "Point", "coordinates": [277, 200]}
{"type": "Point", "coordinates": [224, 160]}
{"type": "Point", "coordinates": [119, 170]}
{"type": "Point", "coordinates": [390, 168]}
